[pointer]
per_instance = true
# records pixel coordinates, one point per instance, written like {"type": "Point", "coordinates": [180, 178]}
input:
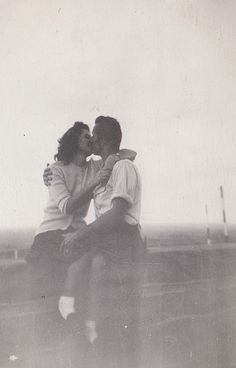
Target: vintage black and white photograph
{"type": "Point", "coordinates": [118, 184]}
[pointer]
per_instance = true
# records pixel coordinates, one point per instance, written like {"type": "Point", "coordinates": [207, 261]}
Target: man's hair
{"type": "Point", "coordinates": [68, 143]}
{"type": "Point", "coordinates": [109, 130]}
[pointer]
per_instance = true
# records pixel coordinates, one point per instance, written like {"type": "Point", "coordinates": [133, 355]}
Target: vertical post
{"type": "Point", "coordinates": [145, 242]}
{"type": "Point", "coordinates": [226, 235]}
{"type": "Point", "coordinates": [207, 227]}
{"type": "Point", "coordinates": [15, 254]}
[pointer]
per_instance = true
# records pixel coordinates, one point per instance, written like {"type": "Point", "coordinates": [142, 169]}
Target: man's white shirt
{"type": "Point", "coordinates": [124, 183]}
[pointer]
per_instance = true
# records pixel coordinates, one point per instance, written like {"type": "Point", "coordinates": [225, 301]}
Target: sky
{"type": "Point", "coordinates": [165, 69]}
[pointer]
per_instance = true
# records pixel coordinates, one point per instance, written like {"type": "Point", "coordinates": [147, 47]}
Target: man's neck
{"type": "Point", "coordinates": [79, 159]}
{"type": "Point", "coordinates": [107, 150]}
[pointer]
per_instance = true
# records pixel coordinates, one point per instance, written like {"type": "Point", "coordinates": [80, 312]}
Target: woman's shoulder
{"type": "Point", "coordinates": [59, 166]}
{"type": "Point", "coordinates": [65, 172]}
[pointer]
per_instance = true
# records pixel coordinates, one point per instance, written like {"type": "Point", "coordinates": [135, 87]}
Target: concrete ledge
{"type": "Point", "coordinates": [187, 310]}
{"type": "Point", "coordinates": [178, 280]}
{"type": "Point", "coordinates": [27, 308]}
{"type": "Point", "coordinates": [191, 248]}
{"type": "Point", "coordinates": [163, 266]}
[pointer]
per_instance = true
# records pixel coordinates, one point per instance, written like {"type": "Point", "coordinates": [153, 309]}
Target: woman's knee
{"type": "Point", "coordinates": [73, 270]}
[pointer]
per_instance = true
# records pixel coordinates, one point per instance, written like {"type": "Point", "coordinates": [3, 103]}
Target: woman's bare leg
{"type": "Point", "coordinates": [97, 267]}
{"type": "Point", "coordinates": [77, 276]}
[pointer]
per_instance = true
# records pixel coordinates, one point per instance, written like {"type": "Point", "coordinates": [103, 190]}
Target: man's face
{"type": "Point", "coordinates": [96, 142]}
{"type": "Point", "coordinates": [85, 143]}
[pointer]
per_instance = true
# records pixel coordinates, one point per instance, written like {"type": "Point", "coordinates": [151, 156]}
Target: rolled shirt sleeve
{"type": "Point", "coordinates": [124, 181]}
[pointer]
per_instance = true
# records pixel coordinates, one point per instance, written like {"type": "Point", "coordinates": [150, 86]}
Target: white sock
{"type": "Point", "coordinates": [66, 305]}
{"type": "Point", "coordinates": [91, 332]}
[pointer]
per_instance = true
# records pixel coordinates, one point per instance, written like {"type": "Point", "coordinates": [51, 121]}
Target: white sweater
{"type": "Point", "coordinates": [66, 181]}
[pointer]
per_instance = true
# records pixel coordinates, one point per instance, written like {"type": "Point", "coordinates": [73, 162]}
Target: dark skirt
{"type": "Point", "coordinates": [45, 257]}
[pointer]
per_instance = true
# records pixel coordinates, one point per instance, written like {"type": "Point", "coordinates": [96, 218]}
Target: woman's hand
{"type": "Point", "coordinates": [47, 176]}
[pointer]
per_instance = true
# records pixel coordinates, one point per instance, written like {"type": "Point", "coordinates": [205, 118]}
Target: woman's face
{"type": "Point", "coordinates": [84, 142]}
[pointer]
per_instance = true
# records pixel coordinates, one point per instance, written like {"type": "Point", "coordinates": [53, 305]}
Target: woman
{"type": "Point", "coordinates": [73, 182]}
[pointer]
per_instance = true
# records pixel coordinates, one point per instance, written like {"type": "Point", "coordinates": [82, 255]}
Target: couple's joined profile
{"type": "Point", "coordinates": [65, 245]}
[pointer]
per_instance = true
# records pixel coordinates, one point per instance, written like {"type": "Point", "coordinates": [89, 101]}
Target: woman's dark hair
{"type": "Point", "coordinates": [68, 143]}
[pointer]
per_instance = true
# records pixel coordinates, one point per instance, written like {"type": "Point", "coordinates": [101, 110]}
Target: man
{"type": "Point", "coordinates": [119, 202]}
{"type": "Point", "coordinates": [115, 233]}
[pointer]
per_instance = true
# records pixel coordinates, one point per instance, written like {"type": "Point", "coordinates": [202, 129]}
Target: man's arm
{"type": "Point", "coordinates": [124, 180]}
{"type": "Point", "coordinates": [107, 222]}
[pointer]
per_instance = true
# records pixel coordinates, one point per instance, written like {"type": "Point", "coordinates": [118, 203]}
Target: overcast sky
{"type": "Point", "coordinates": [165, 69]}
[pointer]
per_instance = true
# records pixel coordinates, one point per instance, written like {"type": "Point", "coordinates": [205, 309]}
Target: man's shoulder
{"type": "Point", "coordinates": [125, 167]}
{"type": "Point", "coordinates": [125, 175]}
{"type": "Point", "coordinates": [124, 164]}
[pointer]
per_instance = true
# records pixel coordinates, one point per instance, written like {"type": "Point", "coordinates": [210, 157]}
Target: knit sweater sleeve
{"type": "Point", "coordinates": [58, 189]}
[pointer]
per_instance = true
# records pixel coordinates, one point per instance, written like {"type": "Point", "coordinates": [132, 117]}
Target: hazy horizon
{"type": "Point", "coordinates": [161, 234]}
